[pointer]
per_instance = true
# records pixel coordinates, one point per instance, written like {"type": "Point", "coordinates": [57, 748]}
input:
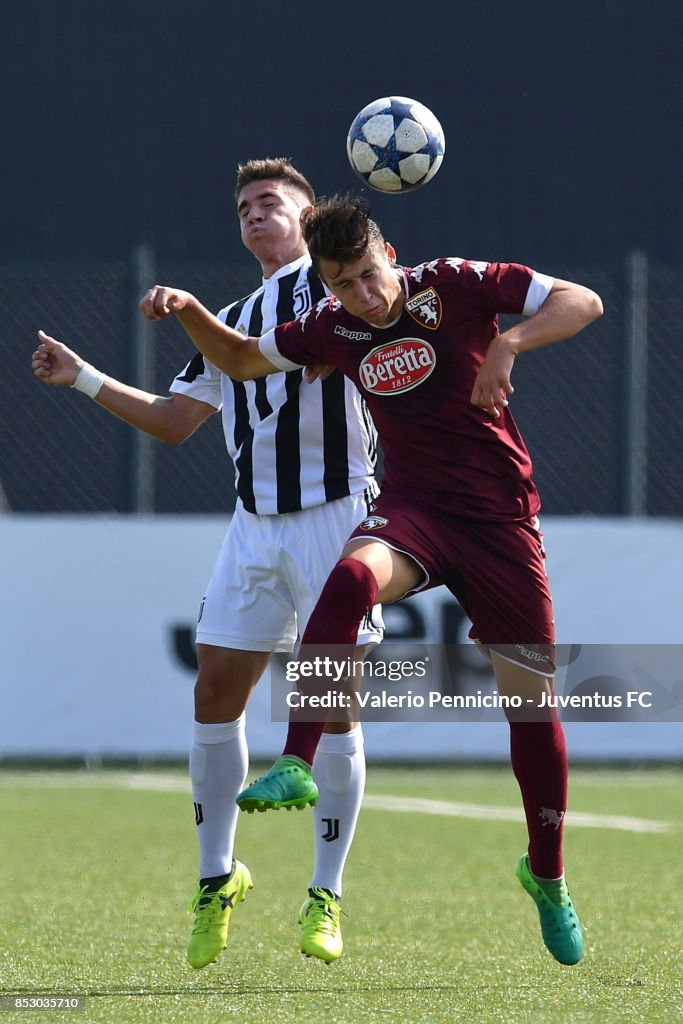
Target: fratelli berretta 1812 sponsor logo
{"type": "Point", "coordinates": [398, 366]}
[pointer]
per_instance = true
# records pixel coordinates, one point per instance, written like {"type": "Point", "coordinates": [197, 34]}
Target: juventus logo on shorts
{"type": "Point", "coordinates": [198, 814]}
{"type": "Point", "coordinates": [332, 830]}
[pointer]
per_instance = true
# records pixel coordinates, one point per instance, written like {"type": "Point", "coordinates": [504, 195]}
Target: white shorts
{"type": "Point", "coordinates": [269, 574]}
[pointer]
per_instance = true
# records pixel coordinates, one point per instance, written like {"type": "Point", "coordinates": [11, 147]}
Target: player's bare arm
{"type": "Point", "coordinates": [169, 418]}
{"type": "Point", "coordinates": [567, 310]}
{"type": "Point", "coordinates": [237, 356]}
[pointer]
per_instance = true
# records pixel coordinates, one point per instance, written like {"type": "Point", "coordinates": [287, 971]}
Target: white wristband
{"type": "Point", "coordinates": [89, 380]}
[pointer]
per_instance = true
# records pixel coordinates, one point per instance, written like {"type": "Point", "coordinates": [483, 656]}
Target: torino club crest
{"type": "Point", "coordinates": [374, 523]}
{"type": "Point", "coordinates": [425, 308]}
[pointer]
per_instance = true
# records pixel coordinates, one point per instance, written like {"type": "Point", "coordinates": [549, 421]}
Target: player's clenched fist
{"type": "Point", "coordinates": [161, 301]}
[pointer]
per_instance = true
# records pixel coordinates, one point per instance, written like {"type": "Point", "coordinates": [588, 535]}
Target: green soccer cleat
{"type": "Point", "coordinates": [560, 926]}
{"type": "Point", "coordinates": [289, 783]}
{"type": "Point", "coordinates": [321, 934]}
{"type": "Point", "coordinates": [212, 912]}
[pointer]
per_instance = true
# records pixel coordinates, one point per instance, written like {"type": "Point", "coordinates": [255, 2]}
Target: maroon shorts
{"type": "Point", "coordinates": [496, 570]}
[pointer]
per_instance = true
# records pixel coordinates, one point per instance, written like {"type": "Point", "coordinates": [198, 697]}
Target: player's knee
{"type": "Point", "coordinates": [216, 699]}
{"type": "Point", "coordinates": [207, 693]}
{"type": "Point", "coordinates": [353, 583]}
{"type": "Point", "coordinates": [356, 574]}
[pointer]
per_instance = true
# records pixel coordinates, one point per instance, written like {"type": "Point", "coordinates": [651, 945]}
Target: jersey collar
{"type": "Point", "coordinates": [288, 268]}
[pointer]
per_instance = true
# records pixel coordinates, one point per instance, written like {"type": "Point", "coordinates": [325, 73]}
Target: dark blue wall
{"type": "Point", "coordinates": [124, 121]}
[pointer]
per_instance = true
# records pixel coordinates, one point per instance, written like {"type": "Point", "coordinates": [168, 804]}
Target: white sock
{"type": "Point", "coordinates": [219, 761]}
{"type": "Point", "coordinates": [339, 771]}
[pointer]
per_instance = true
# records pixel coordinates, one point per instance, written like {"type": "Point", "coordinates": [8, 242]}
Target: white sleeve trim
{"type": "Point", "coordinates": [200, 393]}
{"type": "Point", "coordinates": [206, 386]}
{"type": "Point", "coordinates": [539, 290]}
{"type": "Point", "coordinates": [269, 349]}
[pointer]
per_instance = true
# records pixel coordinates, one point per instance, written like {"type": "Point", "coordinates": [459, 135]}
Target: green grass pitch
{"type": "Point", "coordinates": [98, 868]}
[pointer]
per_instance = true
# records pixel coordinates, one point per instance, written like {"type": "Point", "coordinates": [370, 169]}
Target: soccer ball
{"type": "Point", "coordinates": [395, 144]}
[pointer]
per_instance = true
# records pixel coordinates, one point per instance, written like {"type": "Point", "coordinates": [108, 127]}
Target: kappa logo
{"type": "Point", "coordinates": [418, 271]}
{"type": "Point", "coordinates": [396, 367]}
{"type": "Point", "coordinates": [551, 817]}
{"type": "Point", "coordinates": [322, 304]}
{"type": "Point", "coordinates": [479, 267]}
{"type": "Point", "coordinates": [536, 656]}
{"type": "Point", "coordinates": [456, 263]}
{"type": "Point", "coordinates": [374, 523]}
{"type": "Point", "coordinates": [352, 335]}
{"type": "Point", "coordinates": [425, 308]}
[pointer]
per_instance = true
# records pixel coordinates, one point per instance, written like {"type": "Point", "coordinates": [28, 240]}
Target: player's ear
{"type": "Point", "coordinates": [304, 214]}
{"type": "Point", "coordinates": [391, 253]}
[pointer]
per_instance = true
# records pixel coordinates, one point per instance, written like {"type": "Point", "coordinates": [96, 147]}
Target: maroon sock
{"type": "Point", "coordinates": [350, 592]}
{"type": "Point", "coordinates": [539, 761]}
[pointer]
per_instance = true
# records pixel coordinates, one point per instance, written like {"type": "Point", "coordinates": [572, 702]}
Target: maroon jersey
{"type": "Point", "coordinates": [417, 375]}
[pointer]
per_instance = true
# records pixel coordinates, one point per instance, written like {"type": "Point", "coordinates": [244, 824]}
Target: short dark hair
{"type": "Point", "coordinates": [339, 228]}
{"type": "Point", "coordinates": [279, 168]}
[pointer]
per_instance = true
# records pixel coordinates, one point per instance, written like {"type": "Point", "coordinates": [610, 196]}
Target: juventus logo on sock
{"type": "Point", "coordinates": [332, 829]}
{"type": "Point", "coordinates": [198, 814]}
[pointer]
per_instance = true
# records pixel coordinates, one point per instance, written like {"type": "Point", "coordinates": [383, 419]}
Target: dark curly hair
{"type": "Point", "coordinates": [339, 228]}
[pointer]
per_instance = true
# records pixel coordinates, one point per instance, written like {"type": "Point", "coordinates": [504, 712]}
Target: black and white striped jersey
{"type": "Point", "coordinates": [294, 445]}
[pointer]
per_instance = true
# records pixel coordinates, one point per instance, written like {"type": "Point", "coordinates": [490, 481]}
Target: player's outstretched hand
{"type": "Point", "coordinates": [492, 384]}
{"type": "Point", "coordinates": [162, 301]}
{"type": "Point", "coordinates": [317, 371]}
{"type": "Point", "coordinates": [54, 363]}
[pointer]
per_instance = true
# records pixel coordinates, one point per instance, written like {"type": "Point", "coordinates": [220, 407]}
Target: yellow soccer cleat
{"type": "Point", "coordinates": [212, 912]}
{"type": "Point", "coordinates": [321, 933]}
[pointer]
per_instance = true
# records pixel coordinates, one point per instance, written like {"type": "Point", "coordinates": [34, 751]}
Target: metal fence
{"type": "Point", "coordinates": [599, 412]}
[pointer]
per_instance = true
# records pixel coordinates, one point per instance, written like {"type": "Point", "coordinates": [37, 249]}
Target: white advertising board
{"type": "Point", "coordinates": [98, 617]}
